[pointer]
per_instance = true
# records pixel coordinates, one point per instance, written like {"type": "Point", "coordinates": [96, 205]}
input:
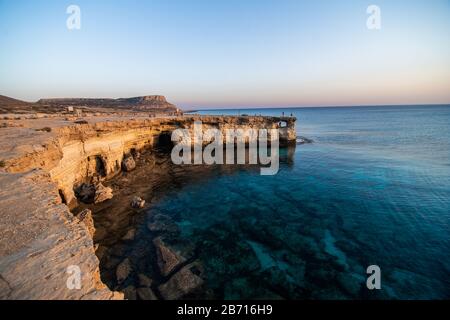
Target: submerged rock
{"type": "Point", "coordinates": [145, 281]}
{"type": "Point", "coordinates": [321, 274]}
{"type": "Point", "coordinates": [226, 255]}
{"type": "Point", "coordinates": [137, 203]}
{"type": "Point", "coordinates": [146, 294]}
{"type": "Point", "coordinates": [283, 283]}
{"type": "Point", "coordinates": [303, 140]}
{"type": "Point", "coordinates": [162, 224]}
{"type": "Point", "coordinates": [128, 163]}
{"type": "Point", "coordinates": [130, 293]}
{"type": "Point", "coordinates": [129, 236]}
{"type": "Point", "coordinates": [184, 282]}
{"type": "Point", "coordinates": [248, 288]}
{"type": "Point", "coordinates": [350, 284]}
{"type": "Point", "coordinates": [123, 270]}
{"type": "Point", "coordinates": [167, 258]}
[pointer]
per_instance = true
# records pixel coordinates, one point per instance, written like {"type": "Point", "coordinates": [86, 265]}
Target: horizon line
{"type": "Point", "coordinates": [318, 106]}
{"type": "Point", "coordinates": [255, 107]}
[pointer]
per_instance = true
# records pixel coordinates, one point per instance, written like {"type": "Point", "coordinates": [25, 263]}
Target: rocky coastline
{"type": "Point", "coordinates": [51, 166]}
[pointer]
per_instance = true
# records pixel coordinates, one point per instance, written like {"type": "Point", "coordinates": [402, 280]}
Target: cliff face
{"type": "Point", "coordinates": [79, 152]}
{"type": "Point", "coordinates": [40, 240]}
{"type": "Point", "coordinates": [39, 237]}
{"type": "Point", "coordinates": [150, 100]}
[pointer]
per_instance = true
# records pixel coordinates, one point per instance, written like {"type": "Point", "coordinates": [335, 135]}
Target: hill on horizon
{"type": "Point", "coordinates": [149, 103]}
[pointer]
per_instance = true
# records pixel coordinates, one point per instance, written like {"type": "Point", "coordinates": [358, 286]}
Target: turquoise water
{"type": "Point", "coordinates": [373, 189]}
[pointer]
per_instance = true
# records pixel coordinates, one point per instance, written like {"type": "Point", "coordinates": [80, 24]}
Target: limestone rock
{"type": "Point", "coordinates": [123, 270]}
{"type": "Point", "coordinates": [102, 193]}
{"type": "Point", "coordinates": [128, 163]}
{"type": "Point", "coordinates": [66, 150]}
{"type": "Point", "coordinates": [186, 281]}
{"type": "Point", "coordinates": [85, 216]}
{"type": "Point", "coordinates": [39, 240]}
{"type": "Point", "coordinates": [137, 203]}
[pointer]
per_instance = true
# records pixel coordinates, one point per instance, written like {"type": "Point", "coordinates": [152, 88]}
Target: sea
{"type": "Point", "coordinates": [362, 212]}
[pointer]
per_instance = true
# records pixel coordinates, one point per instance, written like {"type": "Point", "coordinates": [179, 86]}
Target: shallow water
{"type": "Point", "coordinates": [373, 189]}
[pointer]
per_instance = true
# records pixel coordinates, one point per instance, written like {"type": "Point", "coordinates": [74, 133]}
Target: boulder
{"type": "Point", "coordinates": [85, 192]}
{"type": "Point", "coordinates": [184, 282]}
{"type": "Point", "coordinates": [123, 270]}
{"type": "Point", "coordinates": [128, 163]}
{"type": "Point", "coordinates": [93, 193]}
{"type": "Point", "coordinates": [137, 203]}
{"type": "Point", "coordinates": [102, 193]}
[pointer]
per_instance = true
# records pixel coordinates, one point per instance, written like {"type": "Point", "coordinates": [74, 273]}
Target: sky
{"type": "Point", "coordinates": [226, 54]}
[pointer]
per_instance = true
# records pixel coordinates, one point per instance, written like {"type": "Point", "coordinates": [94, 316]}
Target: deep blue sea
{"type": "Point", "coordinates": [372, 189]}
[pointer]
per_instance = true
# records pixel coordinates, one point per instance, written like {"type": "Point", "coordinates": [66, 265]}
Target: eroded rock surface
{"type": "Point", "coordinates": [85, 216]}
{"type": "Point", "coordinates": [40, 240]}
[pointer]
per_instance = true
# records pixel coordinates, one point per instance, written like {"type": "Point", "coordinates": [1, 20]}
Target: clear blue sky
{"type": "Point", "coordinates": [217, 53]}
